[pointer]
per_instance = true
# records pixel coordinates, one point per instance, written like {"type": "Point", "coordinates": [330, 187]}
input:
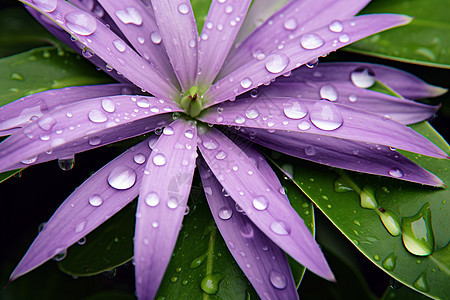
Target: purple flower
{"type": "Point", "coordinates": [213, 79]}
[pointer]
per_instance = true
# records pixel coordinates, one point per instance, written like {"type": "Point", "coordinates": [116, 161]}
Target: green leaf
{"type": "Point", "coordinates": [334, 193]}
{"type": "Point", "coordinates": [200, 8]}
{"type": "Point", "coordinates": [8, 174]}
{"type": "Point", "coordinates": [43, 69]}
{"type": "Point", "coordinates": [426, 40]}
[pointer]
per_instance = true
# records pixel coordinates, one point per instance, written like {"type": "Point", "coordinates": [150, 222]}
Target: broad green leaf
{"type": "Point", "coordinates": [402, 293]}
{"type": "Point", "coordinates": [426, 40]}
{"type": "Point", "coordinates": [200, 8]}
{"type": "Point", "coordinates": [43, 69]}
{"type": "Point", "coordinates": [334, 193]}
{"type": "Point", "coordinates": [8, 174]}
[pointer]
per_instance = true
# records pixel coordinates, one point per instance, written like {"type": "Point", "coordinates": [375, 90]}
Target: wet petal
{"type": "Point", "coordinates": [83, 125]}
{"type": "Point", "coordinates": [221, 27]}
{"type": "Point", "coordinates": [322, 118]}
{"type": "Point", "coordinates": [295, 18]}
{"type": "Point", "coordinates": [267, 208]}
{"type": "Point", "coordinates": [95, 201]}
{"type": "Point", "coordinates": [138, 24]}
{"type": "Point", "coordinates": [109, 47]}
{"type": "Point", "coordinates": [20, 112]}
{"type": "Point", "coordinates": [262, 261]}
{"type": "Point", "coordinates": [297, 51]}
{"type": "Point", "coordinates": [162, 203]}
{"type": "Point", "coordinates": [178, 30]}
{"type": "Point", "coordinates": [345, 154]}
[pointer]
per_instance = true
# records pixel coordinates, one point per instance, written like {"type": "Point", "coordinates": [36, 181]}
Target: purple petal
{"type": "Point", "coordinates": [109, 47]}
{"type": "Point", "coordinates": [86, 124]}
{"type": "Point", "coordinates": [400, 110]}
{"type": "Point", "coordinates": [18, 113]}
{"type": "Point", "coordinates": [162, 203]}
{"type": "Point", "coordinates": [297, 51]}
{"type": "Point", "coordinates": [95, 201]}
{"type": "Point", "coordinates": [178, 30]}
{"type": "Point", "coordinates": [345, 154]}
{"type": "Point", "coordinates": [405, 84]}
{"type": "Point", "coordinates": [321, 118]}
{"type": "Point", "coordinates": [138, 24]}
{"type": "Point", "coordinates": [267, 208]}
{"type": "Point", "coordinates": [262, 261]}
{"type": "Point", "coordinates": [221, 27]}
{"type": "Point", "coordinates": [294, 19]}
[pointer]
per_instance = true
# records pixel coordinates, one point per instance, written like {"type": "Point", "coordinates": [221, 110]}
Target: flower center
{"type": "Point", "coordinates": [191, 102]}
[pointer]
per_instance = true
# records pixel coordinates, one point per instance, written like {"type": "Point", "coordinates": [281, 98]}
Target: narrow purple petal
{"type": "Point", "coordinates": [297, 51]}
{"type": "Point", "coordinates": [405, 84]}
{"type": "Point", "coordinates": [95, 201]}
{"type": "Point", "coordinates": [345, 154]}
{"type": "Point", "coordinates": [400, 110]}
{"type": "Point", "coordinates": [221, 27]}
{"type": "Point", "coordinates": [262, 261]}
{"type": "Point", "coordinates": [18, 113]}
{"type": "Point", "coordinates": [109, 47]}
{"type": "Point", "coordinates": [83, 124]}
{"type": "Point", "coordinates": [267, 208]}
{"type": "Point", "coordinates": [294, 19]}
{"type": "Point", "coordinates": [321, 118]}
{"type": "Point", "coordinates": [138, 24]}
{"type": "Point", "coordinates": [162, 203]}
{"type": "Point", "coordinates": [178, 30]}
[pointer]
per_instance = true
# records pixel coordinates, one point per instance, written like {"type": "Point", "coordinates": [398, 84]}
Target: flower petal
{"type": "Point", "coordinates": [249, 246]}
{"type": "Point", "coordinates": [221, 27]}
{"type": "Point", "coordinates": [142, 32]}
{"type": "Point", "coordinates": [404, 83]}
{"type": "Point", "coordinates": [295, 18]}
{"type": "Point", "coordinates": [162, 203]}
{"type": "Point", "coordinates": [84, 124]}
{"type": "Point", "coordinates": [267, 208]}
{"type": "Point", "coordinates": [178, 30]}
{"type": "Point", "coordinates": [18, 113]}
{"type": "Point", "coordinates": [297, 51]}
{"type": "Point", "coordinates": [109, 47]}
{"type": "Point", "coordinates": [95, 201]}
{"type": "Point", "coordinates": [399, 110]}
{"type": "Point", "coordinates": [345, 154]}
{"type": "Point", "coordinates": [322, 118]}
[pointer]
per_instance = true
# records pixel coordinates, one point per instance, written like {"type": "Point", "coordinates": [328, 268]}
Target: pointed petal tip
{"type": "Point", "coordinates": [436, 91]}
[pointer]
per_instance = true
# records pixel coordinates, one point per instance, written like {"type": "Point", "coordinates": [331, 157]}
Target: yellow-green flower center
{"type": "Point", "coordinates": [191, 102]}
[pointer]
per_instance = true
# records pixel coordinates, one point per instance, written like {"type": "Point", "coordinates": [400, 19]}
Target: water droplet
{"type": "Point", "coordinates": [221, 155]}
{"type": "Point", "coordinates": [276, 63]}
{"type": "Point", "coordinates": [341, 186]}
{"type": "Point", "coordinates": [294, 109]}
{"type": "Point", "coordinates": [210, 143]}
{"type": "Point", "coordinates": [311, 41]}
{"type": "Point", "coordinates": [122, 178]}
{"type": "Point", "coordinates": [367, 198]}
{"type": "Point", "coordinates": [155, 37]}
{"type": "Point", "coordinates": [189, 134]}
{"type": "Point", "coordinates": [82, 241]}
{"type": "Point", "coordinates": [66, 163]}
{"type": "Point", "coordinates": [336, 26]}
{"type": "Point", "coordinates": [94, 141]}
{"type": "Point", "coordinates": [304, 125]}
{"type": "Point", "coordinates": [81, 22]}
{"type": "Point", "coordinates": [246, 82]}
{"type": "Point", "coordinates": [16, 76]}
{"type": "Point", "coordinates": [328, 92]}
{"type": "Point", "coordinates": [210, 283]}
{"type": "Point", "coordinates": [30, 160]}
{"type": "Point", "coordinates": [280, 228]}
{"type": "Point", "coordinates": [310, 151]}
{"type": "Point", "coordinates": [159, 159]}
{"type": "Point", "coordinates": [196, 262]}
{"type": "Point", "coordinates": [129, 15]}
{"type": "Point", "coordinates": [260, 202]}
{"type": "Point", "coordinates": [46, 123]}
{"type": "Point", "coordinates": [225, 213]}
{"type": "Point", "coordinates": [418, 236]}
{"type": "Point", "coordinates": [252, 113]}
{"type": "Point", "coordinates": [421, 283]}
{"type": "Point", "coordinates": [326, 116]}
{"type": "Point", "coordinates": [59, 254]}
{"type": "Point", "coordinates": [397, 173]}
{"type": "Point", "coordinates": [172, 202]}
{"type": "Point", "coordinates": [143, 103]}
{"type": "Point", "coordinates": [389, 262]}
{"type": "Point", "coordinates": [312, 63]}
{"type": "Point", "coordinates": [108, 105]}
{"type": "Point", "coordinates": [120, 45]}
{"type": "Point", "coordinates": [168, 130]}
{"type": "Point", "coordinates": [80, 226]}
{"type": "Point", "coordinates": [363, 77]}
{"type": "Point", "coordinates": [97, 116]}
{"type": "Point", "coordinates": [278, 280]}
{"type": "Point", "coordinates": [183, 8]}
{"type": "Point", "coordinates": [139, 158]}
{"type": "Point", "coordinates": [390, 221]}
{"type": "Point", "coordinates": [239, 119]}
{"type": "Point", "coordinates": [152, 199]}
{"type": "Point", "coordinates": [95, 200]}
{"type": "Point", "coordinates": [247, 231]}
{"type": "Point", "coordinates": [290, 24]}
{"type": "Point", "coordinates": [46, 5]}
{"type": "Point", "coordinates": [352, 98]}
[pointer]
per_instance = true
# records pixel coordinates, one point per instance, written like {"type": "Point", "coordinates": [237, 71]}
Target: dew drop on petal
{"type": "Point", "coordinates": [189, 134]}
{"type": "Point", "coordinates": [87, 53]}
{"type": "Point", "coordinates": [246, 83]}
{"type": "Point", "coordinates": [159, 159]}
{"type": "Point", "coordinates": [395, 172]}
{"type": "Point", "coordinates": [326, 116]}
{"type": "Point", "coordinates": [95, 200]}
{"type": "Point", "coordinates": [152, 199]}
{"type": "Point", "coordinates": [260, 202]}
{"type": "Point", "coordinates": [94, 141]}
{"type": "Point", "coordinates": [155, 37]}
{"type": "Point", "coordinates": [304, 125]}
{"type": "Point", "coordinates": [80, 227]}
{"type": "Point", "coordinates": [290, 24]}
{"type": "Point", "coordinates": [311, 41]}
{"type": "Point", "coordinates": [120, 45]}
{"type": "Point", "coordinates": [168, 130]}
{"type": "Point", "coordinates": [29, 160]}
{"type": "Point", "coordinates": [328, 92]}
{"type": "Point", "coordinates": [278, 280]}
{"type": "Point", "coordinates": [225, 213]}
{"type": "Point", "coordinates": [210, 143]}
{"type": "Point", "coordinates": [172, 202]}
{"type": "Point", "coordinates": [97, 116]}
{"type": "Point", "coordinates": [139, 158]}
{"type": "Point", "coordinates": [280, 228]}
{"type": "Point", "coordinates": [129, 15]}
{"type": "Point", "coordinates": [239, 119]}
{"type": "Point", "coordinates": [251, 113]}
{"type": "Point", "coordinates": [276, 63]}
{"type": "Point", "coordinates": [81, 22]}
{"type": "Point", "coordinates": [122, 178]}
{"type": "Point", "coordinates": [336, 26]}
{"type": "Point", "coordinates": [46, 123]}
{"type": "Point", "coordinates": [143, 103]}
{"type": "Point", "coordinates": [344, 38]}
{"type": "Point", "coordinates": [183, 8]}
{"type": "Point", "coordinates": [294, 109]}
{"type": "Point", "coordinates": [363, 77]}
{"type": "Point", "coordinates": [108, 105]}
{"type": "Point", "coordinates": [46, 5]}
{"type": "Point", "coordinates": [221, 155]}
